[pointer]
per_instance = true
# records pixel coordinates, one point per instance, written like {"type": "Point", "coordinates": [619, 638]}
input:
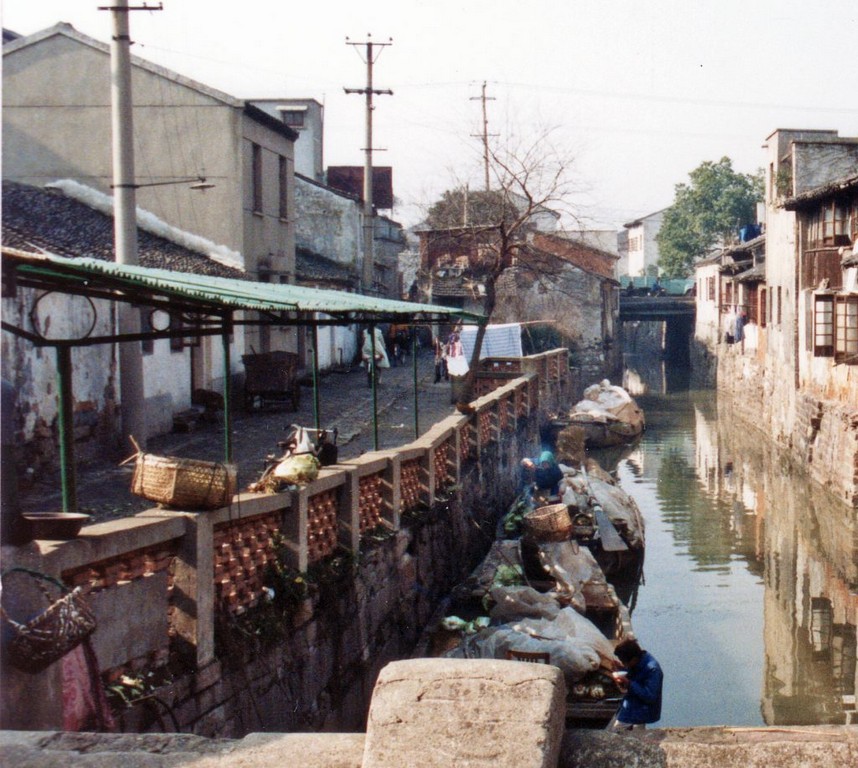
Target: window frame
{"type": "Point", "coordinates": [846, 328]}
{"type": "Point", "coordinates": [823, 333]}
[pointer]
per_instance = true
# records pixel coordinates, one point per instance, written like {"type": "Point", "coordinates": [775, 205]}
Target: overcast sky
{"type": "Point", "coordinates": [640, 91]}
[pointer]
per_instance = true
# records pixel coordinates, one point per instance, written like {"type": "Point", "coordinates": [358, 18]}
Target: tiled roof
{"type": "Point", "coordinates": [821, 192]}
{"type": "Point", "coordinates": [312, 267]}
{"type": "Point", "coordinates": [42, 220]}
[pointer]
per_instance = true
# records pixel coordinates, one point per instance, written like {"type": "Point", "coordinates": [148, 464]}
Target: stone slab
{"type": "Point", "coordinates": [461, 712]}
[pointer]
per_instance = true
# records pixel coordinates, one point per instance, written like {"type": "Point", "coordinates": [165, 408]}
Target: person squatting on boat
{"type": "Point", "coordinates": [642, 684]}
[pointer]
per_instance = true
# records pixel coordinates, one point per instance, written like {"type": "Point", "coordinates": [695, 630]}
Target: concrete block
{"type": "Point", "coordinates": [311, 750]}
{"type": "Point", "coordinates": [447, 712]}
{"type": "Point", "coordinates": [117, 640]}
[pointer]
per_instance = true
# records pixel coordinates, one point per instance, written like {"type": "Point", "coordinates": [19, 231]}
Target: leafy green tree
{"type": "Point", "coordinates": [706, 212]}
{"type": "Point", "coordinates": [462, 207]}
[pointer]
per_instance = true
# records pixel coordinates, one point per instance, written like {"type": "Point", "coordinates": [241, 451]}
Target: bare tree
{"type": "Point", "coordinates": [532, 181]}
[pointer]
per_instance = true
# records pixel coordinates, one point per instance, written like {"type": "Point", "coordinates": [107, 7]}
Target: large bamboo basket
{"type": "Point", "coordinates": [187, 484]}
{"type": "Point", "coordinates": [549, 523]}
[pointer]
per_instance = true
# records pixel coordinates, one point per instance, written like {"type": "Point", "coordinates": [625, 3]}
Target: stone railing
{"type": "Point", "coordinates": [161, 580]}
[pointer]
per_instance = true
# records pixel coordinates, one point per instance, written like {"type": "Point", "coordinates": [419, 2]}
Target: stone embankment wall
{"type": "Point", "coordinates": [366, 552]}
{"type": "Point", "coordinates": [820, 435]}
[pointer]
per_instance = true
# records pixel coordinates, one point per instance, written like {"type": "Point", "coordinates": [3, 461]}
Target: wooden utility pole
{"type": "Point", "coordinates": [485, 134]}
{"type": "Point", "coordinates": [372, 52]}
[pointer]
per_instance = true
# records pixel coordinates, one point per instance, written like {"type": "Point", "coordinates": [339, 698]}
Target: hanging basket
{"type": "Point", "coordinates": [61, 627]}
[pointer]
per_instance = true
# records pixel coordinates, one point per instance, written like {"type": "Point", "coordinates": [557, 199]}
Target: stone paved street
{"type": "Point", "coordinates": [345, 404]}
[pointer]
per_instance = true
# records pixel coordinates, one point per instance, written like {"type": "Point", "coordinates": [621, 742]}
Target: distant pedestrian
{"type": "Point", "coordinates": [373, 367]}
{"type": "Point", "coordinates": [642, 685]}
{"type": "Point", "coordinates": [440, 360]}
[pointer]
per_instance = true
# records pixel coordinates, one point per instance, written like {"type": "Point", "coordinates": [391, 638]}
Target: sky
{"type": "Point", "coordinates": [637, 92]}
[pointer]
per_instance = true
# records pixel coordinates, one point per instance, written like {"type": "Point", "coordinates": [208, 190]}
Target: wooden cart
{"type": "Point", "coordinates": [271, 377]}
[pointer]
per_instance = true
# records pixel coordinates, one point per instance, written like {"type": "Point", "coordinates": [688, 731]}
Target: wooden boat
{"type": "Point", "coordinates": [603, 517]}
{"type": "Point", "coordinates": [540, 619]}
{"type": "Point", "coordinates": [608, 416]}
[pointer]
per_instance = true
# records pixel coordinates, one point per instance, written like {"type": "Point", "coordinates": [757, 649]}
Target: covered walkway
{"type": "Point", "coordinates": [208, 306]}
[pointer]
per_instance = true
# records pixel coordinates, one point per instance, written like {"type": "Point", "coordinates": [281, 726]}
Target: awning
{"type": "Point", "coordinates": [219, 295]}
{"type": "Point", "coordinates": [209, 303]}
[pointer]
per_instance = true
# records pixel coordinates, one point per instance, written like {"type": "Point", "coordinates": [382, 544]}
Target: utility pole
{"type": "Point", "coordinates": [370, 56]}
{"type": "Point", "coordinates": [485, 134]}
{"type": "Point", "coordinates": [131, 392]}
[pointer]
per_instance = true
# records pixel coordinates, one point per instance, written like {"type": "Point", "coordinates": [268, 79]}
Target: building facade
{"type": "Point", "coordinates": [796, 374]}
{"type": "Point", "coordinates": [57, 125]}
{"type": "Point", "coordinates": [642, 247]}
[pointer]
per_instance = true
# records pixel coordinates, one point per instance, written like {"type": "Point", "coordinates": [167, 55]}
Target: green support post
{"type": "Point", "coordinates": [227, 392]}
{"type": "Point", "coordinates": [316, 404]}
{"type": "Point", "coordinates": [414, 376]}
{"type": "Point", "coordinates": [66, 424]}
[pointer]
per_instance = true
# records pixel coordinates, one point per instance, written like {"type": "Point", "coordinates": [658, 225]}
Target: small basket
{"type": "Point", "coordinates": [66, 622]}
{"type": "Point", "coordinates": [549, 523]}
{"type": "Point", "coordinates": [184, 483]}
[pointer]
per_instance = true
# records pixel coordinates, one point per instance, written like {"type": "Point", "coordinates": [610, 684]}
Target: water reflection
{"type": "Point", "coordinates": [751, 572]}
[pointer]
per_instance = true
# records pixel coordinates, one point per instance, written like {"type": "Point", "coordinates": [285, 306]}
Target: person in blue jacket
{"type": "Point", "coordinates": [545, 473]}
{"type": "Point", "coordinates": [642, 685]}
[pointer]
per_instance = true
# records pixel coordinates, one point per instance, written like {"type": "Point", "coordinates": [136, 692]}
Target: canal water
{"type": "Point", "coordinates": [750, 591]}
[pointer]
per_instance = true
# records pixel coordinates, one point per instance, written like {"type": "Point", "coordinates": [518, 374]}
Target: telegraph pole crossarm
{"type": "Point", "coordinates": [370, 58]}
{"type": "Point", "coordinates": [485, 134]}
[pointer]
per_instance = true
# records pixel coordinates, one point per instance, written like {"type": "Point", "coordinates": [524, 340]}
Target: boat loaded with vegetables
{"type": "Point", "coordinates": [603, 518]}
{"type": "Point", "coordinates": [541, 598]}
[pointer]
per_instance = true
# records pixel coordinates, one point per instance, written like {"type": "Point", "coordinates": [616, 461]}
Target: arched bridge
{"type": "Point", "coordinates": [655, 308]}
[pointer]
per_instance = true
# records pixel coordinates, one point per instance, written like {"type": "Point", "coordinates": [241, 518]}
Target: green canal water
{"type": "Point", "coordinates": [750, 591]}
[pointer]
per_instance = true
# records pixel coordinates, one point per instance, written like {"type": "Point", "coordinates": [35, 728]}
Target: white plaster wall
{"type": "Point", "coordinates": [707, 323]}
{"type": "Point", "coordinates": [56, 124]}
{"type": "Point", "coordinates": [327, 223]}
{"type": "Point", "coordinates": [166, 385]}
{"type": "Point", "coordinates": [309, 147]}
{"type": "Point", "coordinates": [636, 251]}
{"type": "Point", "coordinates": [267, 236]}
{"type": "Point", "coordinates": [651, 226]}
{"type": "Point", "coordinates": [33, 370]}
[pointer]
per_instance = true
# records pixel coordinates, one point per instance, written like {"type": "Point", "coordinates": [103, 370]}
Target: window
{"type": "Point", "coordinates": [779, 305]}
{"type": "Point", "coordinates": [821, 265]}
{"type": "Point", "coordinates": [846, 329]}
{"type": "Point", "coordinates": [284, 188]}
{"type": "Point", "coordinates": [753, 304]}
{"type": "Point", "coordinates": [762, 312]}
{"type": "Point", "coordinates": [256, 172]}
{"type": "Point", "coordinates": [294, 117]}
{"type": "Point", "coordinates": [710, 288]}
{"type": "Point", "coordinates": [829, 225]}
{"type": "Point", "coordinates": [823, 326]}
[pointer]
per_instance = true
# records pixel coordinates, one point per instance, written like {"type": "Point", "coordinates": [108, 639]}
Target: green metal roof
{"type": "Point", "coordinates": [135, 283]}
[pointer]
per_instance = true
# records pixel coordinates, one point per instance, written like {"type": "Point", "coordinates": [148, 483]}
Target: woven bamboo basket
{"type": "Point", "coordinates": [184, 483]}
{"type": "Point", "coordinates": [549, 523]}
